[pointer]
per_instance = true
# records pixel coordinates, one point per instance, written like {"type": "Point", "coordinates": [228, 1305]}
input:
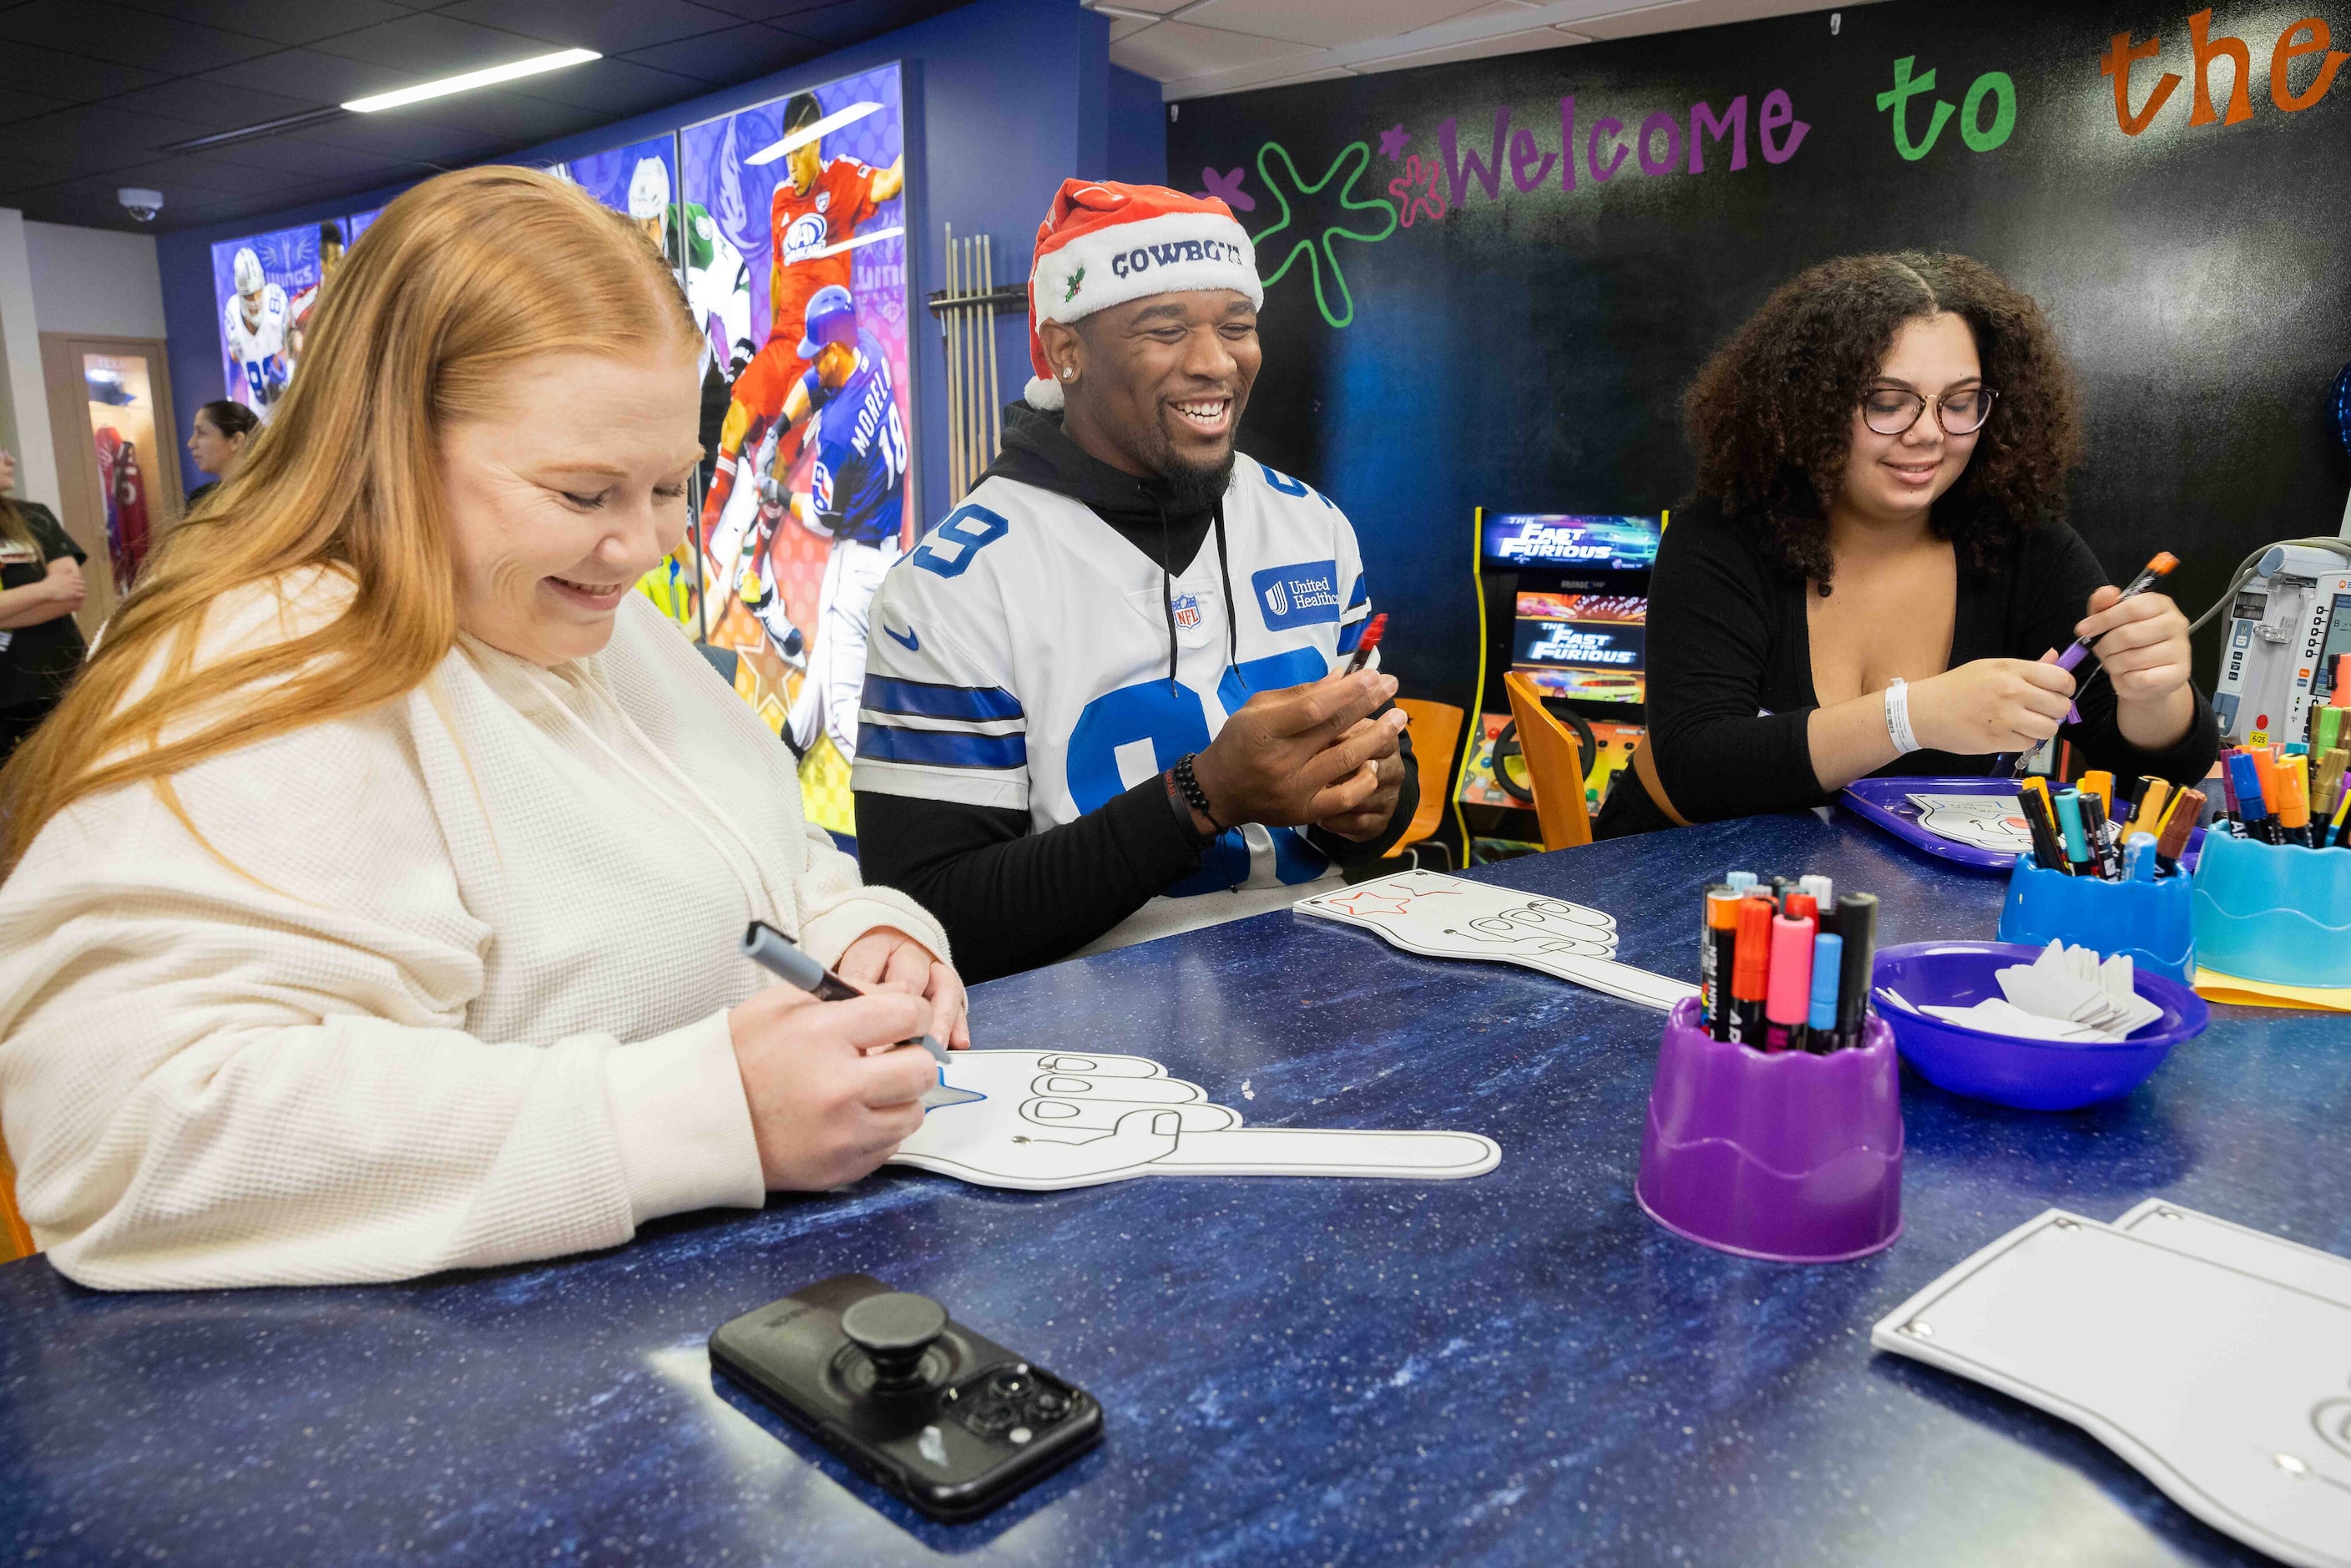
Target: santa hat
{"type": "Point", "coordinates": [1108, 243]}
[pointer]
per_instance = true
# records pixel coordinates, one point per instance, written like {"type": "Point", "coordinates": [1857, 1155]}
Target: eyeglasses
{"type": "Point", "coordinates": [1891, 411]}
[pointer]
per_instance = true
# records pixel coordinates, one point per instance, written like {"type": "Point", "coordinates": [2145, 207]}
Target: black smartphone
{"type": "Point", "coordinates": [945, 1418]}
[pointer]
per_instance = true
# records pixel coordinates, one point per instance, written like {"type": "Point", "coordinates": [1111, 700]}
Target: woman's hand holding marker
{"type": "Point", "coordinates": [1988, 706]}
{"type": "Point", "coordinates": [2142, 641]}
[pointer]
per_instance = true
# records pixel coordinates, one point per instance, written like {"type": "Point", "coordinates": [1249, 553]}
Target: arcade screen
{"type": "Point", "coordinates": [1582, 645]}
{"type": "Point", "coordinates": [1529, 540]}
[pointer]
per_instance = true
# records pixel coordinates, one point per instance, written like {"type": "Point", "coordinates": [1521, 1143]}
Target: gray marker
{"type": "Point", "coordinates": [780, 956]}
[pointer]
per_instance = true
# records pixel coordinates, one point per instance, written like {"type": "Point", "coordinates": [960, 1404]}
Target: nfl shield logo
{"type": "Point", "coordinates": [1187, 611]}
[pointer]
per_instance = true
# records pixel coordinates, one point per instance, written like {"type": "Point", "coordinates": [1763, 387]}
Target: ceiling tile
{"type": "Point", "coordinates": [1673, 18]}
{"type": "Point", "coordinates": [1156, 7]}
{"type": "Point", "coordinates": [109, 32]}
{"type": "Point", "coordinates": [1479, 50]}
{"type": "Point", "coordinates": [22, 105]}
{"type": "Point", "coordinates": [175, 175]}
{"type": "Point", "coordinates": [74, 78]}
{"type": "Point", "coordinates": [281, 21]}
{"type": "Point", "coordinates": [607, 90]}
{"type": "Point", "coordinates": [332, 79]}
{"type": "Point", "coordinates": [409, 140]}
{"type": "Point", "coordinates": [1127, 27]}
{"type": "Point", "coordinates": [92, 136]}
{"type": "Point", "coordinates": [427, 46]}
{"type": "Point", "coordinates": [1320, 23]}
{"type": "Point", "coordinates": [1271, 73]}
{"type": "Point", "coordinates": [206, 101]}
{"type": "Point", "coordinates": [1176, 49]}
{"type": "Point", "coordinates": [608, 27]}
{"type": "Point", "coordinates": [731, 55]}
{"type": "Point", "coordinates": [854, 21]}
{"type": "Point", "coordinates": [781, 11]}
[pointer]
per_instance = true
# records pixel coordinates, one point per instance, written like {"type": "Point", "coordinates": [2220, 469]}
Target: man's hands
{"type": "Point", "coordinates": [887, 959]}
{"type": "Point", "coordinates": [1307, 754]}
{"type": "Point", "coordinates": [823, 1111]}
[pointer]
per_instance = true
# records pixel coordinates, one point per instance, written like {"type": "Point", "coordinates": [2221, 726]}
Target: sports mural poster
{"type": "Point", "coordinates": [794, 220]}
{"type": "Point", "coordinates": [640, 182]}
{"type": "Point", "coordinates": [266, 287]}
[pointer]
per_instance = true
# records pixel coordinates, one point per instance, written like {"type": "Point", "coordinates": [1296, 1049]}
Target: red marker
{"type": "Point", "coordinates": [1374, 629]}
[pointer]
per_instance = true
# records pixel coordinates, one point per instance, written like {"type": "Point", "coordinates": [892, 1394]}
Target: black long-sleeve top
{"type": "Point", "coordinates": [1010, 897]}
{"type": "Point", "coordinates": [1730, 667]}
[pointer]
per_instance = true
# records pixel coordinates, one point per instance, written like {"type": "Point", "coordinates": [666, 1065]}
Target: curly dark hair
{"type": "Point", "coordinates": [1772, 412]}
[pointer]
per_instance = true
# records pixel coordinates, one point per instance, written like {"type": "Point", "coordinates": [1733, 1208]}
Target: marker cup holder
{"type": "Point", "coordinates": [2153, 922]}
{"type": "Point", "coordinates": [1793, 1156]}
{"type": "Point", "coordinates": [2274, 913]}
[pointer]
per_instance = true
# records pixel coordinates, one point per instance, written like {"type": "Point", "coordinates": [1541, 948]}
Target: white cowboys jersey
{"type": "Point", "coordinates": [1017, 657]}
{"type": "Point", "coordinates": [252, 346]}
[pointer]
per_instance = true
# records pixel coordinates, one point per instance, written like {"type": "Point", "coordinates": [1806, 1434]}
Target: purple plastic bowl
{"type": "Point", "coordinates": [2027, 1075]}
{"type": "Point", "coordinates": [1792, 1157]}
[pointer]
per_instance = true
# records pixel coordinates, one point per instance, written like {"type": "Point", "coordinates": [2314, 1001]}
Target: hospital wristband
{"type": "Point", "coordinates": [1898, 717]}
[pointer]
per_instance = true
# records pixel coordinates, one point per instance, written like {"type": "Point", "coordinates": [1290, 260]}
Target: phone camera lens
{"type": "Point", "coordinates": [1011, 1385]}
{"type": "Point", "coordinates": [988, 1417]}
{"type": "Point", "coordinates": [1049, 1404]}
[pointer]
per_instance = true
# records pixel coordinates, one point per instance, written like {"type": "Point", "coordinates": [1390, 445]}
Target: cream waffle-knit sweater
{"type": "Point", "coordinates": [465, 1004]}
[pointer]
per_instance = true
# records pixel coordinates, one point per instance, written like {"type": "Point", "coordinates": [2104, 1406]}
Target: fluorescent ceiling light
{"type": "Point", "coordinates": [805, 134]}
{"type": "Point", "coordinates": [472, 79]}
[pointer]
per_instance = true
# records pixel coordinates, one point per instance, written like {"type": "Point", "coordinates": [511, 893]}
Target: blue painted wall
{"type": "Point", "coordinates": [1006, 99]}
{"type": "Point", "coordinates": [1138, 129]}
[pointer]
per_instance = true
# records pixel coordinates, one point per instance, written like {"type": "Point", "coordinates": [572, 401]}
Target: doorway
{"type": "Point", "coordinates": [117, 455]}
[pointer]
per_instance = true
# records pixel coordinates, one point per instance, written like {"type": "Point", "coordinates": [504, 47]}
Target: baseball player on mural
{"type": "Point", "coordinates": [814, 214]}
{"type": "Point", "coordinates": [857, 493]}
{"type": "Point", "coordinates": [255, 321]}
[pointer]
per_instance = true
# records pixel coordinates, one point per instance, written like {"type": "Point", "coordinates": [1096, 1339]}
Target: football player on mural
{"type": "Point", "coordinates": [814, 215]}
{"type": "Point", "coordinates": [856, 494]}
{"type": "Point", "coordinates": [255, 321]}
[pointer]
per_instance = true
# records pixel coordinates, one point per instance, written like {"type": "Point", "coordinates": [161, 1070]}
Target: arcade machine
{"type": "Point", "coordinates": [1565, 599]}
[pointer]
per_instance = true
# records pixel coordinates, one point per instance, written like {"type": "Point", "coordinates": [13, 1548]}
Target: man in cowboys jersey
{"type": "Point", "coordinates": [1105, 698]}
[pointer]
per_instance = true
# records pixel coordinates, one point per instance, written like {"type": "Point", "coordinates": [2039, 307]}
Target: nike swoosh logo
{"type": "Point", "coordinates": [906, 640]}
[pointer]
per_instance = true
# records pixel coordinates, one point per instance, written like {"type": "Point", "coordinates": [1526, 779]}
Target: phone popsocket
{"type": "Point", "coordinates": [926, 1408]}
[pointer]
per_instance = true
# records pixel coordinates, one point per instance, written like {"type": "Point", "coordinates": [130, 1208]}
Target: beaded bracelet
{"type": "Point", "coordinates": [1194, 795]}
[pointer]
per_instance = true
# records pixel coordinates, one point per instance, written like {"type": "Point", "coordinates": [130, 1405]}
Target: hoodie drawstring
{"type": "Point", "coordinates": [1167, 590]}
{"type": "Point", "coordinates": [1232, 605]}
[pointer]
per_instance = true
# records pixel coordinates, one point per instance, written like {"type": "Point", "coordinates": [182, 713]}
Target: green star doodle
{"type": "Point", "coordinates": [1320, 256]}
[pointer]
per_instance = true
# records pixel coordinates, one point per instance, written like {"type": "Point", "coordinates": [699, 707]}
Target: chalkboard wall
{"type": "Point", "coordinates": [1452, 327]}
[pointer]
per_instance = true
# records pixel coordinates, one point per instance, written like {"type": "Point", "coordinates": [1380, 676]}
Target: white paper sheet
{"type": "Point", "coordinates": [1046, 1120]}
{"type": "Point", "coordinates": [1994, 822]}
{"type": "Point", "coordinates": [1442, 916]}
{"type": "Point", "coordinates": [2230, 1391]}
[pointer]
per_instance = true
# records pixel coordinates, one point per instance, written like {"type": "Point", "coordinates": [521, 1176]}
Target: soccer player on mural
{"type": "Point", "coordinates": [814, 214]}
{"type": "Point", "coordinates": [857, 493]}
{"type": "Point", "coordinates": [306, 304]}
{"type": "Point", "coordinates": [1107, 700]}
{"type": "Point", "coordinates": [256, 319]}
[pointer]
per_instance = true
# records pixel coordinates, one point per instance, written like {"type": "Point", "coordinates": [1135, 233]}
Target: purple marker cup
{"type": "Point", "coordinates": [1792, 1157]}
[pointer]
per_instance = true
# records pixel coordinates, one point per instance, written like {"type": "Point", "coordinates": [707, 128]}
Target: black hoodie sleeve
{"type": "Point", "coordinates": [1012, 899]}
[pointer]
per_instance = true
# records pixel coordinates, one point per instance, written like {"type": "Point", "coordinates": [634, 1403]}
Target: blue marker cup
{"type": "Point", "coordinates": [2152, 921]}
{"type": "Point", "coordinates": [2278, 914]}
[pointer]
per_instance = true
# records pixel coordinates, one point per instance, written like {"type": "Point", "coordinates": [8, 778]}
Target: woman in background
{"type": "Point", "coordinates": [373, 901]}
{"type": "Point", "coordinates": [40, 588]}
{"type": "Point", "coordinates": [217, 440]}
{"type": "Point", "coordinates": [1876, 576]}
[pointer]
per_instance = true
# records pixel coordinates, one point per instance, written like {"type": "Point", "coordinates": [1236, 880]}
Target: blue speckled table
{"type": "Point", "coordinates": [1517, 1369]}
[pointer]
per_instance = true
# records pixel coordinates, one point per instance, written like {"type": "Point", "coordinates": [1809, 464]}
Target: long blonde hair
{"type": "Point", "coordinates": [462, 282]}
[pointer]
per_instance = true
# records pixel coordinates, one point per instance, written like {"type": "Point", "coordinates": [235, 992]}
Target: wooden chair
{"type": "Point", "coordinates": [16, 1237]}
{"type": "Point", "coordinates": [1436, 731]}
{"type": "Point", "coordinates": [1554, 764]}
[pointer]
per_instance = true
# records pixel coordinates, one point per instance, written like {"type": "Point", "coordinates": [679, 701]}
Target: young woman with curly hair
{"type": "Point", "coordinates": [1876, 576]}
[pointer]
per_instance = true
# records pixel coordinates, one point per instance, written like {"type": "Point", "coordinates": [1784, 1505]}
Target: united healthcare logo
{"type": "Point", "coordinates": [1299, 595]}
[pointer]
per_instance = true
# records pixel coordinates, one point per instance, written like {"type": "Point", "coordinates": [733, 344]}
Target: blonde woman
{"type": "Point", "coordinates": [373, 898]}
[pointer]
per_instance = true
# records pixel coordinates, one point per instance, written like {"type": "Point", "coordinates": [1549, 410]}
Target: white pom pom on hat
{"type": "Point", "coordinates": [1108, 243]}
